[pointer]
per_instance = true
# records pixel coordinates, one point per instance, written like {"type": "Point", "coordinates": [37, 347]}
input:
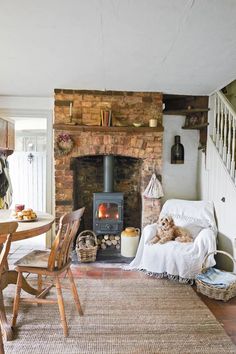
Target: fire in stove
{"type": "Point", "coordinates": [108, 211]}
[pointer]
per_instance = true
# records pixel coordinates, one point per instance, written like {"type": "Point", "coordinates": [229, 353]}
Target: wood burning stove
{"type": "Point", "coordinates": [107, 213]}
{"type": "Point", "coordinates": [108, 205]}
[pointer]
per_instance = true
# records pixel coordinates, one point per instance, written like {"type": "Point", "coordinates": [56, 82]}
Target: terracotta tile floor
{"type": "Point", "coordinates": [225, 313]}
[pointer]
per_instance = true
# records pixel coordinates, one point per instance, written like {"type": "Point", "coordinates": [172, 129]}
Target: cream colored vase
{"type": "Point", "coordinates": [129, 241]}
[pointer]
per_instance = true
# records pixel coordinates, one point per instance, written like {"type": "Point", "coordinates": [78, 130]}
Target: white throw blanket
{"type": "Point", "coordinates": [175, 259]}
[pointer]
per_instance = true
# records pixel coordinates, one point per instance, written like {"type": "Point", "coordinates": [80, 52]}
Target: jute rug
{"type": "Point", "coordinates": [123, 316]}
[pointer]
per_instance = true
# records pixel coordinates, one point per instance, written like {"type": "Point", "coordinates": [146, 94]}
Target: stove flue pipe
{"type": "Point", "coordinates": [108, 173]}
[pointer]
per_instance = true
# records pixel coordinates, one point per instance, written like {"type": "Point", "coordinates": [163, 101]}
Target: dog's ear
{"type": "Point", "coordinates": [171, 221]}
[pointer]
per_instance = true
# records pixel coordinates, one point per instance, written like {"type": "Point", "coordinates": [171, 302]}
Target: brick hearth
{"type": "Point", "coordinates": [144, 145]}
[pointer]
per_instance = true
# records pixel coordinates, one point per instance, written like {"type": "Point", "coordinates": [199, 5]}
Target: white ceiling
{"type": "Point", "coordinates": [173, 46]}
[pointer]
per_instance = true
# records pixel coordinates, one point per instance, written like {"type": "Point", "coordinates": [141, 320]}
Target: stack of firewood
{"type": "Point", "coordinates": [107, 241]}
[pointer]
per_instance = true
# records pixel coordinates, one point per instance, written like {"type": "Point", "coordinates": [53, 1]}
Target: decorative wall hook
{"type": "Point", "coordinates": [30, 158]}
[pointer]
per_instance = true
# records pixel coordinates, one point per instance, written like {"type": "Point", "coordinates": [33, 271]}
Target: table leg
{"type": "Point", "coordinates": [10, 277]}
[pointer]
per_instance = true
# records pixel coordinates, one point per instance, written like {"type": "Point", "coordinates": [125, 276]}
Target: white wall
{"type": "Point", "coordinates": [180, 181]}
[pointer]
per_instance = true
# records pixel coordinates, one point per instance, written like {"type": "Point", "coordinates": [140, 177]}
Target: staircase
{"type": "Point", "coordinates": [224, 127]}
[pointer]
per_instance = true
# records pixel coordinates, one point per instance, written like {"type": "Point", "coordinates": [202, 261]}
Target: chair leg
{"type": "Point", "coordinates": [6, 328]}
{"type": "Point", "coordinates": [17, 298]}
{"type": "Point", "coordinates": [74, 292]}
{"type": "Point", "coordinates": [40, 285]}
{"type": "Point", "coordinates": [1, 344]}
{"type": "Point", "coordinates": [61, 307]}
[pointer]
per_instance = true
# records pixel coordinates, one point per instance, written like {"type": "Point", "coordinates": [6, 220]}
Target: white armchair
{"type": "Point", "coordinates": [173, 259]}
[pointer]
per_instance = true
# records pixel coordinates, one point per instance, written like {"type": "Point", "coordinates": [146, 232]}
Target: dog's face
{"type": "Point", "coordinates": [166, 223]}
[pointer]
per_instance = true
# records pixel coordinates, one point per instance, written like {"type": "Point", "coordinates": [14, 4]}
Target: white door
{"type": "Point", "coordinates": [28, 178]}
{"type": "Point", "coordinates": [28, 168]}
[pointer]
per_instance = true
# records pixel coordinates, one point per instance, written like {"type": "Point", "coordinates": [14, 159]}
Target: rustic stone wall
{"type": "Point", "coordinates": [145, 146]}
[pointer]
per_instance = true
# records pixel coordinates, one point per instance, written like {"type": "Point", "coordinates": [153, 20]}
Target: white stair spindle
{"type": "Point", "coordinates": [215, 117]}
{"type": "Point", "coordinates": [225, 112]}
{"type": "Point", "coordinates": [232, 165]}
{"type": "Point", "coordinates": [228, 158]}
{"type": "Point", "coordinates": [221, 128]}
{"type": "Point", "coordinates": [218, 122]}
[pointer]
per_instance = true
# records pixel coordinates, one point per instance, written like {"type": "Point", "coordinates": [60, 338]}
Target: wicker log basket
{"type": "Point", "coordinates": [212, 291]}
{"type": "Point", "coordinates": [86, 246]}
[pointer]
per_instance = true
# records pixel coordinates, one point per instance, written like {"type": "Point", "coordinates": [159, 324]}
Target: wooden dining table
{"type": "Point", "coordinates": [25, 230]}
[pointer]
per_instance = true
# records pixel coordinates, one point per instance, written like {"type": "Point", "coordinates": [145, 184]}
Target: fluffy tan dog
{"type": "Point", "coordinates": [168, 231]}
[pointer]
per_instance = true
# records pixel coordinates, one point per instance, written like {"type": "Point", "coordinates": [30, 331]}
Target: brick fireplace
{"type": "Point", "coordinates": [137, 151]}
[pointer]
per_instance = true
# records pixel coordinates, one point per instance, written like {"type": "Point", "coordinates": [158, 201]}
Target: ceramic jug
{"type": "Point", "coordinates": [129, 241]}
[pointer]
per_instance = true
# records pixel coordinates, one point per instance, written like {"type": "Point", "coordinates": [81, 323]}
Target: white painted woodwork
{"type": "Point", "coordinates": [215, 119]}
{"type": "Point", "coordinates": [35, 107]}
{"type": "Point", "coordinates": [217, 172]}
{"type": "Point", "coordinates": [229, 143]}
{"type": "Point", "coordinates": [181, 47]}
{"type": "Point", "coordinates": [216, 184]}
{"type": "Point", "coordinates": [224, 128]}
{"type": "Point", "coordinates": [232, 165]}
{"type": "Point", "coordinates": [225, 134]}
{"type": "Point", "coordinates": [28, 180]}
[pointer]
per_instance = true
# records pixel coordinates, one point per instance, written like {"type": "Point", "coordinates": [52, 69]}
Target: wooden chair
{"type": "Point", "coordinates": [6, 228]}
{"type": "Point", "coordinates": [51, 263]}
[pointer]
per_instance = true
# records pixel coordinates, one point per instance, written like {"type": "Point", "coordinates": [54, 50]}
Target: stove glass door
{"type": "Point", "coordinates": [108, 211]}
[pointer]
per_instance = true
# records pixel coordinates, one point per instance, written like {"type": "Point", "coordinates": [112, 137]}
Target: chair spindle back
{"type": "Point", "coordinates": [68, 226]}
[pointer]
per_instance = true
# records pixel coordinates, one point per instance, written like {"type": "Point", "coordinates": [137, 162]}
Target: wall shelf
{"type": "Point", "coordinates": [184, 112]}
{"type": "Point", "coordinates": [197, 126]}
{"type": "Point", "coordinates": [6, 152]}
{"type": "Point", "coordinates": [95, 128]}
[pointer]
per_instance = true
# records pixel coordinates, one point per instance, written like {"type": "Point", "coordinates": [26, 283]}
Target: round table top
{"type": "Point", "coordinates": [27, 229]}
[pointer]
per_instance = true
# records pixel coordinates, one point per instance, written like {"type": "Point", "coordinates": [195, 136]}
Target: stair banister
{"type": "Point", "coordinates": [224, 131]}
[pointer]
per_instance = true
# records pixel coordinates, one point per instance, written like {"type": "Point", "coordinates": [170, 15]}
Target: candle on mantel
{"type": "Point", "coordinates": [70, 109]}
{"type": "Point", "coordinates": [71, 119]}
